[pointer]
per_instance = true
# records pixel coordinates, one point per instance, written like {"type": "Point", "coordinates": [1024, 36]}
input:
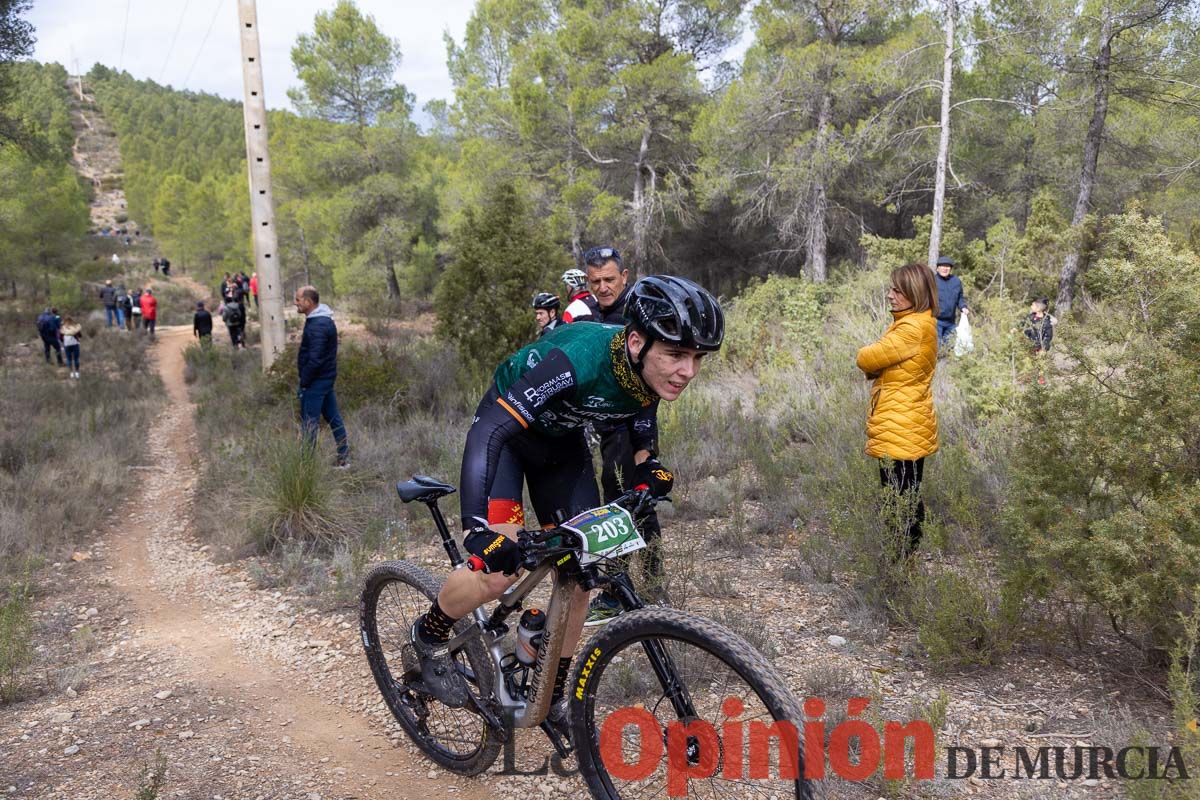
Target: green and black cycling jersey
{"type": "Point", "coordinates": [542, 397]}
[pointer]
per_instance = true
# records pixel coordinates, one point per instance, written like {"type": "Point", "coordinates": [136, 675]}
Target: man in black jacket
{"type": "Point", "coordinates": [202, 324]}
{"type": "Point", "coordinates": [608, 280]}
{"type": "Point", "coordinates": [317, 363]}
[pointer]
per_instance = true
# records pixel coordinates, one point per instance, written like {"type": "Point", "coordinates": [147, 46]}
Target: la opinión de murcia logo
{"type": "Point", "coordinates": [853, 750]}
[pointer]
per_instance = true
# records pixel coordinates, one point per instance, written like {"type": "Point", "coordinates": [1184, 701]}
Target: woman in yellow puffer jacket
{"type": "Point", "coordinates": [901, 424]}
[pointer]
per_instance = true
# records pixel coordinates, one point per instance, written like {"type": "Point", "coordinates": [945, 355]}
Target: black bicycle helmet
{"type": "Point", "coordinates": [545, 300]}
{"type": "Point", "coordinates": [677, 311]}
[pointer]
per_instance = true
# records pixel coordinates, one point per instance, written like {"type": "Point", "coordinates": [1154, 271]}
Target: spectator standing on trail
{"type": "Point", "coordinates": [125, 303]}
{"type": "Point", "coordinates": [202, 325]}
{"type": "Point", "coordinates": [231, 292]}
{"type": "Point", "coordinates": [254, 289]}
{"type": "Point", "coordinates": [149, 305]}
{"type": "Point", "coordinates": [155, 263]}
{"type": "Point", "coordinates": [108, 296]}
{"type": "Point", "coordinates": [48, 325]}
{"type": "Point", "coordinates": [608, 280]}
{"type": "Point", "coordinates": [577, 296]}
{"type": "Point", "coordinates": [901, 424]}
{"type": "Point", "coordinates": [235, 322]}
{"type": "Point", "coordinates": [545, 312]}
{"type": "Point", "coordinates": [135, 310]}
{"type": "Point", "coordinates": [166, 268]}
{"type": "Point", "coordinates": [72, 332]}
{"type": "Point", "coordinates": [950, 299]}
{"type": "Point", "coordinates": [244, 283]}
{"type": "Point", "coordinates": [317, 365]}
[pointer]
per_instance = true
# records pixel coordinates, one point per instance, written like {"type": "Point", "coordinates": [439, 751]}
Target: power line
{"type": "Point", "coordinates": [211, 22]}
{"type": "Point", "coordinates": [179, 25]}
{"type": "Point", "coordinates": [124, 33]}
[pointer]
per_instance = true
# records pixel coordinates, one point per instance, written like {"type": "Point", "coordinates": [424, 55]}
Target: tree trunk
{"type": "Point", "coordinates": [1087, 175]}
{"type": "Point", "coordinates": [641, 210]}
{"type": "Point", "coordinates": [816, 236]}
{"type": "Point", "coordinates": [393, 285]}
{"type": "Point", "coordinates": [1027, 177]}
{"type": "Point", "coordinates": [939, 187]}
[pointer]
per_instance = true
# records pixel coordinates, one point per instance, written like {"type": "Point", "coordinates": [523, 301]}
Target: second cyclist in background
{"type": "Point", "coordinates": [545, 311]}
{"type": "Point", "coordinates": [579, 299]}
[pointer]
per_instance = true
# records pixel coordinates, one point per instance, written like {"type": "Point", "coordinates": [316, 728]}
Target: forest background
{"type": "Point", "coordinates": [789, 183]}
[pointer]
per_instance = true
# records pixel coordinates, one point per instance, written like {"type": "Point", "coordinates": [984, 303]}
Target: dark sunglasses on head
{"type": "Point", "coordinates": [599, 255]}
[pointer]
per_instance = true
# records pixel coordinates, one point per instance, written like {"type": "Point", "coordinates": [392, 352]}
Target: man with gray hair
{"type": "Point", "coordinates": [317, 364]}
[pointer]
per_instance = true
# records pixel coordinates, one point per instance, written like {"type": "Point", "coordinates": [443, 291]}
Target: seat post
{"type": "Point", "coordinates": [447, 542]}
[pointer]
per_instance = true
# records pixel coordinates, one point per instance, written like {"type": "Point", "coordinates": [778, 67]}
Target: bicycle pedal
{"type": "Point", "coordinates": [562, 745]}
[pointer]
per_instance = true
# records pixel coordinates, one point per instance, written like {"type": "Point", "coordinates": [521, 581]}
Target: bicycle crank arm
{"type": "Point", "coordinates": [480, 707]}
{"type": "Point", "coordinates": [561, 745]}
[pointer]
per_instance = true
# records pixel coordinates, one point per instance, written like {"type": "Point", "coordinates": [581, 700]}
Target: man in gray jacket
{"type": "Point", "coordinates": [108, 296]}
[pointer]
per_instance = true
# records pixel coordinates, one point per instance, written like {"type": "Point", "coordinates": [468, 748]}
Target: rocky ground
{"type": "Point", "coordinates": [146, 646]}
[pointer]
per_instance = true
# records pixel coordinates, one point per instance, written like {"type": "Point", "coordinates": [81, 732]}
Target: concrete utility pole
{"type": "Point", "coordinates": [262, 209]}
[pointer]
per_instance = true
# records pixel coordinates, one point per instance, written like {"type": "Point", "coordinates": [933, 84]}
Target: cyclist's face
{"type": "Point", "coordinates": [667, 369]}
{"type": "Point", "coordinates": [542, 316]}
{"type": "Point", "coordinates": [607, 281]}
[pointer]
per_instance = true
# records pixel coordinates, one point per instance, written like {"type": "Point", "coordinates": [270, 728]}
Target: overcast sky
{"type": "Point", "coordinates": [90, 32]}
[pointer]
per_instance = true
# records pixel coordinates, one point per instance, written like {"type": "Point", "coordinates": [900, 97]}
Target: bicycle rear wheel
{"type": "Point", "coordinates": [394, 594]}
{"type": "Point", "coordinates": [676, 677]}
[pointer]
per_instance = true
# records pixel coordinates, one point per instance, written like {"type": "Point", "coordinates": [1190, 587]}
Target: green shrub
{"type": "Point", "coordinates": [773, 324]}
{"type": "Point", "coordinates": [16, 639]}
{"type": "Point", "coordinates": [293, 491]}
{"type": "Point", "coordinates": [960, 621]}
{"type": "Point", "coordinates": [502, 256]}
{"type": "Point", "coordinates": [152, 778]}
{"type": "Point", "coordinates": [1106, 504]}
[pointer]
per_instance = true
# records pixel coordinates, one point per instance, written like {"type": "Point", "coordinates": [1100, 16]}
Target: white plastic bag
{"type": "Point", "coordinates": [964, 342]}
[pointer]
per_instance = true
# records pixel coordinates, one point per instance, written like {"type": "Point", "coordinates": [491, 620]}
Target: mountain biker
{"type": "Point", "coordinates": [545, 311]}
{"type": "Point", "coordinates": [529, 427]}
{"type": "Point", "coordinates": [577, 296]}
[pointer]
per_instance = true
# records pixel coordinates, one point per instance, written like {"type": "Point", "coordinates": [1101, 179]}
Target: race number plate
{"type": "Point", "coordinates": [607, 531]}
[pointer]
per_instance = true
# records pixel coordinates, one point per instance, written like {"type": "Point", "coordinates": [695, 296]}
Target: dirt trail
{"type": "Point", "coordinates": [97, 157]}
{"type": "Point", "coordinates": [149, 647]}
{"type": "Point", "coordinates": [199, 634]}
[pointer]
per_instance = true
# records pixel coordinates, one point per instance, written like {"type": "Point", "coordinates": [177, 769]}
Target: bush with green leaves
{"type": "Point", "coordinates": [16, 639]}
{"type": "Point", "coordinates": [1106, 507]}
{"type": "Point", "coordinates": [775, 323]}
{"type": "Point", "coordinates": [502, 256]}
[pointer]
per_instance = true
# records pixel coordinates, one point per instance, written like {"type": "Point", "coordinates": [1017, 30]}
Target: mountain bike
{"type": "Point", "coordinates": [659, 697]}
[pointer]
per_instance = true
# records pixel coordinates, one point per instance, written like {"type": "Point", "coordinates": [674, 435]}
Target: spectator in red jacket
{"type": "Point", "coordinates": [254, 289]}
{"type": "Point", "coordinates": [149, 305]}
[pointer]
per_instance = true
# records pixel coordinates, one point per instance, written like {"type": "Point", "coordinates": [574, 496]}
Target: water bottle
{"type": "Point", "coordinates": [529, 635]}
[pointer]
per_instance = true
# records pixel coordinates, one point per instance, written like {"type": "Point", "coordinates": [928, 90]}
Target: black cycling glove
{"type": "Point", "coordinates": [653, 474]}
{"type": "Point", "coordinates": [497, 551]}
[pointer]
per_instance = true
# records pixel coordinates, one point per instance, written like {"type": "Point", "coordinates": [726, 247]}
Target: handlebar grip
{"type": "Point", "coordinates": [475, 564]}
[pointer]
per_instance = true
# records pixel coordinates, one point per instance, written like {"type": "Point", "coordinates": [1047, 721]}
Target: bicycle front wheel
{"type": "Point", "coordinates": [394, 594]}
{"type": "Point", "coordinates": [665, 702]}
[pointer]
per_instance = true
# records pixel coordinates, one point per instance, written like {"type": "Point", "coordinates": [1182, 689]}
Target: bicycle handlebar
{"type": "Point", "coordinates": [637, 501]}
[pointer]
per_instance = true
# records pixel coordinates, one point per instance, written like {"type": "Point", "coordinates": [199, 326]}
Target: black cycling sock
{"type": "Point", "coordinates": [436, 625]}
{"type": "Point", "coordinates": [560, 679]}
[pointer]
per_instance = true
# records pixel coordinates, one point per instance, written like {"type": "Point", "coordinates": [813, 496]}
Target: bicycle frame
{"type": "Point", "coordinates": [530, 712]}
